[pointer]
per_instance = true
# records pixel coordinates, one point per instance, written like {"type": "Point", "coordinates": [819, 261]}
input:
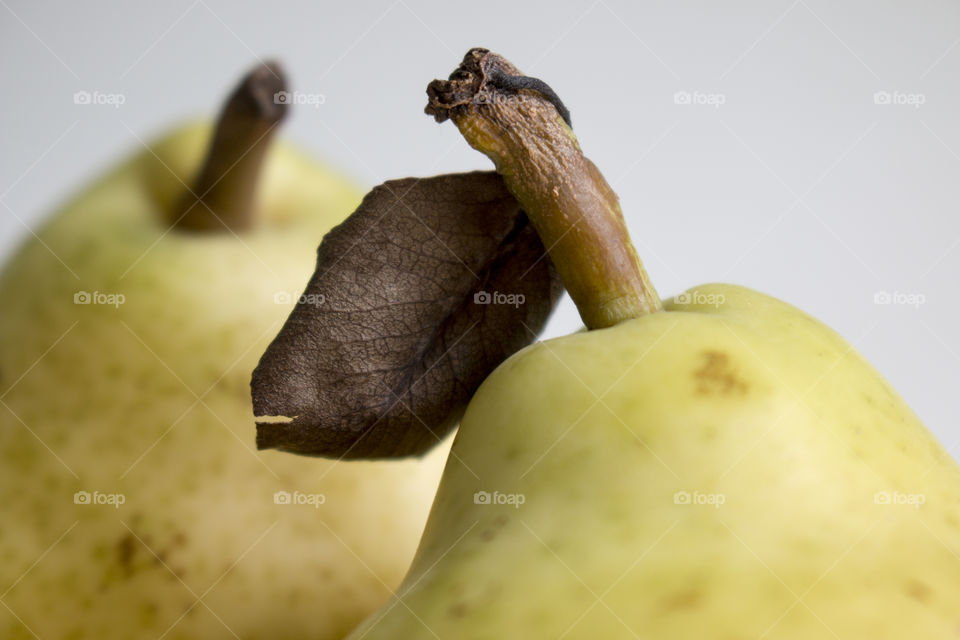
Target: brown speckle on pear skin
{"type": "Point", "coordinates": [716, 375]}
{"type": "Point", "coordinates": [687, 599]}
{"type": "Point", "coordinates": [490, 533]}
{"type": "Point", "coordinates": [148, 613]}
{"type": "Point", "coordinates": [457, 610]}
{"type": "Point", "coordinates": [918, 591]}
{"type": "Point", "coordinates": [126, 554]}
{"type": "Point", "coordinates": [126, 547]}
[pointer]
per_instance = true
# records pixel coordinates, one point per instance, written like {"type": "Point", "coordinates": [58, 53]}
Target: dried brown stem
{"type": "Point", "coordinates": [223, 195]}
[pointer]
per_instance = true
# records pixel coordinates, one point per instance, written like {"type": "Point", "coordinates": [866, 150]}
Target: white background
{"type": "Point", "coordinates": [799, 184]}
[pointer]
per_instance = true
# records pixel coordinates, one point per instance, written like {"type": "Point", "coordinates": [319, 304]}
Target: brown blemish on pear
{"type": "Point", "coordinates": [125, 552]}
{"type": "Point", "coordinates": [717, 375]}
{"type": "Point", "coordinates": [918, 591]}
{"type": "Point", "coordinates": [687, 599]}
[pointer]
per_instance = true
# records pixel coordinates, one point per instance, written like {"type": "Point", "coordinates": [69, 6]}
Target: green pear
{"type": "Point", "coordinates": [133, 502]}
{"type": "Point", "coordinates": [728, 469]}
{"type": "Point", "coordinates": [721, 465]}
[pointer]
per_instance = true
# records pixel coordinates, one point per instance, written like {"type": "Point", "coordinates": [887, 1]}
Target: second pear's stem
{"type": "Point", "coordinates": [223, 194]}
{"type": "Point", "coordinates": [525, 131]}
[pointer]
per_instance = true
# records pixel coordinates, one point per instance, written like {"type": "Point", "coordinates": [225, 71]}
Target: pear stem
{"type": "Point", "coordinates": [521, 125]}
{"type": "Point", "coordinates": [224, 192]}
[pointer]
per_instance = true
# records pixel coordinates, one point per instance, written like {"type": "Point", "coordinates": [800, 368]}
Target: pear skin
{"type": "Point", "coordinates": [727, 468]}
{"type": "Point", "coordinates": [149, 399]}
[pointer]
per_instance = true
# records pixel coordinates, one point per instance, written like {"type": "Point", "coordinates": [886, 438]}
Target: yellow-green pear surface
{"type": "Point", "coordinates": [132, 501]}
{"type": "Point", "coordinates": [726, 468]}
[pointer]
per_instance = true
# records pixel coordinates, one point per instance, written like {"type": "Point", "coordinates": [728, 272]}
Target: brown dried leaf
{"type": "Point", "coordinates": [393, 335]}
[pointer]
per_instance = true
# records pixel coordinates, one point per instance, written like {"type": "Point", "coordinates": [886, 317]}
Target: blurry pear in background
{"type": "Point", "coordinates": [126, 346]}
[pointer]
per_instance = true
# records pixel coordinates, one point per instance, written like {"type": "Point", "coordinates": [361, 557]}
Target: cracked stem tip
{"type": "Point", "coordinates": [521, 124]}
